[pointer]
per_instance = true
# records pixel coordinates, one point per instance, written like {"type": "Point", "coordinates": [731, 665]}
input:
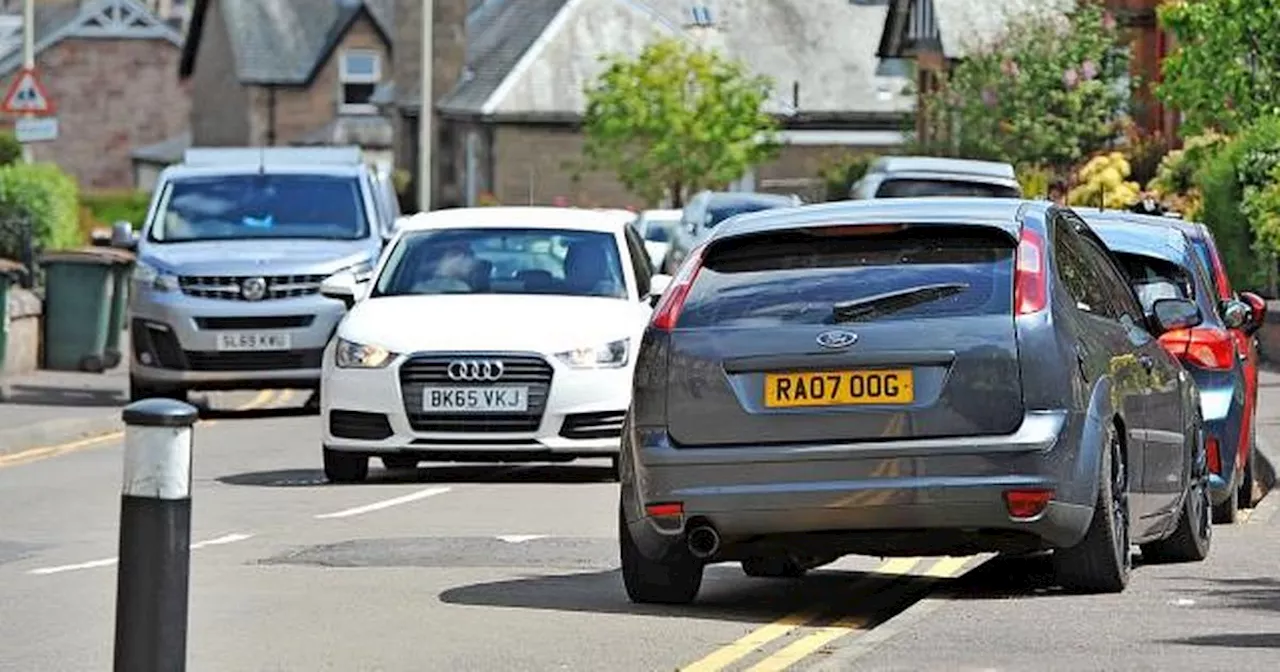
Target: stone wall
{"type": "Point", "coordinates": [22, 350]}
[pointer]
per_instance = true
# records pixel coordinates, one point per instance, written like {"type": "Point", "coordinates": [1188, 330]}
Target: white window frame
{"type": "Point", "coordinates": [345, 77]}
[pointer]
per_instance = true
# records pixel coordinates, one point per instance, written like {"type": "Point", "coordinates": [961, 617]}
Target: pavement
{"type": "Point", "coordinates": [465, 567]}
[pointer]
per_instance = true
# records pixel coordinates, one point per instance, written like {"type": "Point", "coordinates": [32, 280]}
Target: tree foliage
{"type": "Point", "coordinates": [1051, 91]}
{"type": "Point", "coordinates": [1225, 73]}
{"type": "Point", "coordinates": [677, 119]}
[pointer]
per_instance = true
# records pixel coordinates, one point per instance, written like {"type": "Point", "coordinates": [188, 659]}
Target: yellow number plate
{"type": "Point", "coordinates": [839, 388]}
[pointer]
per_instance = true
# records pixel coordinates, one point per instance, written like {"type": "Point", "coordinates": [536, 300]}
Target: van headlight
{"type": "Point", "coordinates": [352, 355]}
{"type": "Point", "coordinates": [612, 355]}
{"type": "Point", "coordinates": [154, 278]}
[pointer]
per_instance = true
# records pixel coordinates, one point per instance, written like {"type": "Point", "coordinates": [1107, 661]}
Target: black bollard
{"type": "Point", "coordinates": [155, 537]}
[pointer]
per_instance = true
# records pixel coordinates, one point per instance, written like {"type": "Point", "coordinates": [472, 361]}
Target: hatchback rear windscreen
{"type": "Point", "coordinates": [797, 278]}
{"type": "Point", "coordinates": [912, 188]}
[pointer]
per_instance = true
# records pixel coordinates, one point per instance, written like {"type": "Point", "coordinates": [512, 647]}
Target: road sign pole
{"type": "Point", "coordinates": [28, 52]}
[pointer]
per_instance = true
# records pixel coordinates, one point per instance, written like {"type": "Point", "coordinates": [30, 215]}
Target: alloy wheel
{"type": "Point", "coordinates": [1120, 503]}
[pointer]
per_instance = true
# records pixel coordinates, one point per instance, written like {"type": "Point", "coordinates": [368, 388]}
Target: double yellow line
{"type": "Point", "coordinates": [262, 400]}
{"type": "Point", "coordinates": [807, 645]}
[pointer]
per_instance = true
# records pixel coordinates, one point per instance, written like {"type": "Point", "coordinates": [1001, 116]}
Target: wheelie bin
{"type": "Point", "coordinates": [77, 309]}
{"type": "Point", "coordinates": [121, 270]}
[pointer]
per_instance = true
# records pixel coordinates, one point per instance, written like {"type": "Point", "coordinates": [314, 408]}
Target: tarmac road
{"type": "Point", "coordinates": [514, 568]}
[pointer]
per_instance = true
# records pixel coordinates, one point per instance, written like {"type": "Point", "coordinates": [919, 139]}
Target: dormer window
{"type": "Point", "coordinates": [359, 72]}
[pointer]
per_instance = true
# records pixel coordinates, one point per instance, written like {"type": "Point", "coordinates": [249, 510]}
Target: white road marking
{"type": "Point", "coordinates": [1183, 602]}
{"type": "Point", "coordinates": [520, 538]}
{"type": "Point", "coordinates": [386, 503]}
{"type": "Point", "coordinates": [108, 562]}
{"type": "Point", "coordinates": [225, 539]}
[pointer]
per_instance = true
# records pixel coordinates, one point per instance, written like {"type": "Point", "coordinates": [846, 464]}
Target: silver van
{"type": "Point", "coordinates": [226, 291]}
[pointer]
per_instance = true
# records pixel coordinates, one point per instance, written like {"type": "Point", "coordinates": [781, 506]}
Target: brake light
{"type": "Point", "coordinates": [1212, 456]}
{"type": "Point", "coordinates": [1030, 291]}
{"type": "Point", "coordinates": [1027, 503]}
{"type": "Point", "coordinates": [667, 312]}
{"type": "Point", "coordinates": [1205, 347]}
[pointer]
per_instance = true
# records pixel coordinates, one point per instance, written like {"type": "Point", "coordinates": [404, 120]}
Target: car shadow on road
{"type": "Point", "coordinates": [1260, 593]}
{"type": "Point", "coordinates": [1252, 640]}
{"type": "Point", "coordinates": [432, 474]}
{"type": "Point", "coordinates": [209, 413]}
{"type": "Point", "coordinates": [726, 595]}
{"type": "Point", "coordinates": [1014, 577]}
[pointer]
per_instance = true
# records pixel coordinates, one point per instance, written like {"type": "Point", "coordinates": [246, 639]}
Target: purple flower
{"type": "Point", "coordinates": [1089, 70]}
{"type": "Point", "coordinates": [1009, 68]}
{"type": "Point", "coordinates": [989, 97]}
{"type": "Point", "coordinates": [1070, 78]}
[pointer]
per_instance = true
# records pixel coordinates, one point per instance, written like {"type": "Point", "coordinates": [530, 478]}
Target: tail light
{"type": "Point", "coordinates": [1212, 455]}
{"type": "Point", "coordinates": [1027, 503]}
{"type": "Point", "coordinates": [667, 312]}
{"type": "Point", "coordinates": [1205, 347]}
{"type": "Point", "coordinates": [1030, 291]}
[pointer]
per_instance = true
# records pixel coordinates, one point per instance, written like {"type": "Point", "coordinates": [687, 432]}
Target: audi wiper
{"type": "Point", "coordinates": [892, 302]}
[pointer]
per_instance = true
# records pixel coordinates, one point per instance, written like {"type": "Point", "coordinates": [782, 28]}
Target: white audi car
{"type": "Point", "coordinates": [487, 334]}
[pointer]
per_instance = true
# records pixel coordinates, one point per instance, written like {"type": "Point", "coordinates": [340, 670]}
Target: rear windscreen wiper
{"type": "Point", "coordinates": [892, 302]}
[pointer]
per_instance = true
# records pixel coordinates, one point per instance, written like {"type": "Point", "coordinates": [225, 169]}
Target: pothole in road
{"type": "Point", "coordinates": [556, 552]}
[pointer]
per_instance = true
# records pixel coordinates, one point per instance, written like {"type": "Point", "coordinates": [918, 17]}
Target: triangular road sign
{"type": "Point", "coordinates": [27, 95]}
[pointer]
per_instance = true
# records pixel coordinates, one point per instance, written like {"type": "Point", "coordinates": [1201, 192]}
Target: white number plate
{"type": "Point", "coordinates": [251, 342]}
{"type": "Point", "coordinates": [505, 399]}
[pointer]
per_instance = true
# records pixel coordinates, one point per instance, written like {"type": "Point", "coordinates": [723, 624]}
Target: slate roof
{"type": "Point", "coordinates": [283, 41]}
{"type": "Point", "coordinates": [55, 22]}
{"type": "Point", "coordinates": [827, 47]}
{"type": "Point", "coordinates": [957, 26]}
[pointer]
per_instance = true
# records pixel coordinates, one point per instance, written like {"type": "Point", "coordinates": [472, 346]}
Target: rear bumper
{"type": "Point", "coordinates": [1222, 407]}
{"type": "Point", "coordinates": [888, 498]}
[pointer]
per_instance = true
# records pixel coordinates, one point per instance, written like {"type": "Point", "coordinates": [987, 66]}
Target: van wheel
{"type": "Point", "coordinates": [674, 580]}
{"type": "Point", "coordinates": [341, 467]}
{"type": "Point", "coordinates": [1191, 541]}
{"type": "Point", "coordinates": [1100, 563]}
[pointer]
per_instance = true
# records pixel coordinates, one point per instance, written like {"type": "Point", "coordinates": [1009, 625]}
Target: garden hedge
{"type": "Point", "coordinates": [48, 196]}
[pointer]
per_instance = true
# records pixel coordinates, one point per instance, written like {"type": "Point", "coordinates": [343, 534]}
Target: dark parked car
{"type": "Point", "coordinates": [908, 377]}
{"type": "Point", "coordinates": [1164, 259]}
{"type": "Point", "coordinates": [706, 210]}
{"type": "Point", "coordinates": [917, 176]}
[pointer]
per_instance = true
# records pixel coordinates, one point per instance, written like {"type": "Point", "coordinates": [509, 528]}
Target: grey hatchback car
{"type": "Point", "coordinates": [907, 377]}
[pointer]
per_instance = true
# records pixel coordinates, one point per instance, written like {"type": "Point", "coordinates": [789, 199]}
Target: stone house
{"type": "Point", "coordinates": [107, 66]}
{"type": "Point", "coordinates": [508, 79]}
{"type": "Point", "coordinates": [937, 33]}
{"type": "Point", "coordinates": [285, 72]}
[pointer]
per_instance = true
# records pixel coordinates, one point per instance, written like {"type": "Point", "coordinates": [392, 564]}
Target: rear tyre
{"type": "Point", "coordinates": [1244, 499]}
{"type": "Point", "coordinates": [1100, 563]}
{"type": "Point", "coordinates": [1191, 540]}
{"type": "Point", "coordinates": [1225, 513]}
{"type": "Point", "coordinates": [773, 568]}
{"type": "Point", "coordinates": [674, 580]}
{"type": "Point", "coordinates": [340, 467]}
{"type": "Point", "coordinates": [400, 462]}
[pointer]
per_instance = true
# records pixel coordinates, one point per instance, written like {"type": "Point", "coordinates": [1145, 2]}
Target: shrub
{"type": "Point", "coordinates": [1233, 182]}
{"type": "Point", "coordinates": [1103, 181]}
{"type": "Point", "coordinates": [840, 173]}
{"type": "Point", "coordinates": [10, 149]}
{"type": "Point", "coordinates": [109, 207]}
{"type": "Point", "coordinates": [1035, 180]}
{"type": "Point", "coordinates": [1145, 152]}
{"type": "Point", "coordinates": [45, 194]}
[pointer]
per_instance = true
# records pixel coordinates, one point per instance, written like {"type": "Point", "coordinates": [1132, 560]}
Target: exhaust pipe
{"type": "Point", "coordinates": [703, 541]}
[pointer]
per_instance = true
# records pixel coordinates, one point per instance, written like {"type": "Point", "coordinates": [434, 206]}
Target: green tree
{"type": "Point", "coordinates": [1050, 92]}
{"type": "Point", "coordinates": [676, 119]}
{"type": "Point", "coordinates": [1225, 73]}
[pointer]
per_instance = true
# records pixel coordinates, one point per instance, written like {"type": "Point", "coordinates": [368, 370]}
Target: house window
{"type": "Point", "coordinates": [359, 74]}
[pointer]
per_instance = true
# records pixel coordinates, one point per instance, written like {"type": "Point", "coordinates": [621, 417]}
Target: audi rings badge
{"type": "Point", "coordinates": [475, 370]}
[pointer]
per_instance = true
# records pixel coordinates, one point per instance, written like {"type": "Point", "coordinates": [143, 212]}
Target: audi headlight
{"type": "Point", "coordinates": [351, 355]}
{"type": "Point", "coordinates": [608, 356]}
{"type": "Point", "coordinates": [154, 278]}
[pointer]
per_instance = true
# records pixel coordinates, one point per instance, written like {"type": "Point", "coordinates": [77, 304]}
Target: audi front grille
{"type": "Point", "coordinates": [228, 287]}
{"type": "Point", "coordinates": [419, 372]}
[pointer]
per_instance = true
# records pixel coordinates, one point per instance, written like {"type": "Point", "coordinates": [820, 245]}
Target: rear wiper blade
{"type": "Point", "coordinates": [892, 302]}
